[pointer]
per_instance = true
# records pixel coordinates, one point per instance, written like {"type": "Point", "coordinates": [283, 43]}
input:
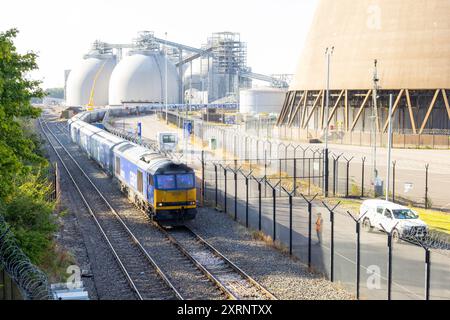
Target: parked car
{"type": "Point", "coordinates": [399, 220]}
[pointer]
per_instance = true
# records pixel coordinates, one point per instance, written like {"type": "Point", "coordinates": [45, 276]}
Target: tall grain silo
{"type": "Point", "coordinates": [140, 78]}
{"type": "Point", "coordinates": [411, 42]}
{"type": "Point", "coordinates": [88, 82]}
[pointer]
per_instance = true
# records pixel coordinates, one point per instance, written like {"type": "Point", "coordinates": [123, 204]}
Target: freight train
{"type": "Point", "coordinates": [162, 188]}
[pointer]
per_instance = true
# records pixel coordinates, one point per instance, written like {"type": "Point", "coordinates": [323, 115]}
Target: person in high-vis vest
{"type": "Point", "coordinates": [319, 227]}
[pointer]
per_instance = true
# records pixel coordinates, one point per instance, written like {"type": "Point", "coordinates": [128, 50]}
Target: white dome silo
{"type": "Point", "coordinates": [140, 78]}
{"type": "Point", "coordinates": [91, 76]}
{"type": "Point", "coordinates": [261, 100]}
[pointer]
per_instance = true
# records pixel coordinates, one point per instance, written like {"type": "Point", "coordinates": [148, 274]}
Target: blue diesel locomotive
{"type": "Point", "coordinates": [164, 189]}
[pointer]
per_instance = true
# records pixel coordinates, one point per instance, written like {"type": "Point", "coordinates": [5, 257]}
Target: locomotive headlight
{"type": "Point", "coordinates": [160, 204]}
{"type": "Point", "coordinates": [193, 203]}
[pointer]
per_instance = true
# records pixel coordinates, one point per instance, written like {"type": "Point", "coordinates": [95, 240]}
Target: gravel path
{"type": "Point", "coordinates": [286, 278]}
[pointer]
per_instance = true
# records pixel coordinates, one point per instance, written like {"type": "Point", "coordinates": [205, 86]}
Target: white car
{"type": "Point", "coordinates": [399, 220]}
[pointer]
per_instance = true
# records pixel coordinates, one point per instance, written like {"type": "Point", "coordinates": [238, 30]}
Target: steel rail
{"type": "Point", "coordinates": [205, 271]}
{"type": "Point", "coordinates": [220, 284]}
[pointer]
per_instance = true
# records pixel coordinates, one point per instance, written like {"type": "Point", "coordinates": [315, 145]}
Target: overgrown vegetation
{"type": "Point", "coordinates": [24, 184]}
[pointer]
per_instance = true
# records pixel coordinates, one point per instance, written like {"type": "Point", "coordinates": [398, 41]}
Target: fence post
{"type": "Point", "coordinates": [247, 177]}
{"type": "Point", "coordinates": [203, 177]}
{"type": "Point", "coordinates": [394, 164]}
{"type": "Point", "coordinates": [280, 175]}
{"type": "Point", "coordinates": [274, 202]}
{"type": "Point", "coordinates": [335, 173]}
{"type": "Point", "coordinates": [426, 186]}
{"type": "Point", "coordinates": [390, 266]}
{"type": "Point", "coordinates": [216, 191]}
{"type": "Point", "coordinates": [225, 191]}
{"type": "Point", "coordinates": [334, 177]}
{"type": "Point", "coordinates": [274, 195]}
{"type": "Point", "coordinates": [259, 201]}
{"type": "Point", "coordinates": [427, 270]}
{"type": "Point", "coordinates": [295, 177]}
{"type": "Point", "coordinates": [290, 194]}
{"type": "Point", "coordinates": [246, 202]}
{"type": "Point", "coordinates": [358, 251]}
{"type": "Point", "coordinates": [326, 172]}
{"type": "Point", "coordinates": [259, 207]}
{"type": "Point", "coordinates": [347, 176]}
{"type": "Point", "coordinates": [362, 176]}
{"type": "Point", "coordinates": [331, 211]}
{"type": "Point", "coordinates": [389, 234]}
{"type": "Point", "coordinates": [235, 195]}
{"type": "Point", "coordinates": [309, 226]}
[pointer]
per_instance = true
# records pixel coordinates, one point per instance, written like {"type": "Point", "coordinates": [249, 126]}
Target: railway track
{"type": "Point", "coordinates": [234, 282]}
{"type": "Point", "coordinates": [145, 278]}
{"type": "Point", "coordinates": [226, 277]}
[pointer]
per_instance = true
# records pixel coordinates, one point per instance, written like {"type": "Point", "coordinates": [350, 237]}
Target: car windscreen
{"type": "Point", "coordinates": [165, 182]}
{"type": "Point", "coordinates": [404, 214]}
{"type": "Point", "coordinates": [185, 181]}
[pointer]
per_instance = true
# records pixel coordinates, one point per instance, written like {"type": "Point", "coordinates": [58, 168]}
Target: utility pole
{"type": "Point", "coordinates": [328, 53]}
{"type": "Point", "coordinates": [375, 125]}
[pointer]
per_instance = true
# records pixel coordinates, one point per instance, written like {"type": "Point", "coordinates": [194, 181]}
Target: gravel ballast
{"type": "Point", "coordinates": [286, 278]}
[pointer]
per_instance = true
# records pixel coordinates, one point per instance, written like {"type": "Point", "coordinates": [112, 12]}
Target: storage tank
{"type": "Point", "coordinates": [261, 100]}
{"type": "Point", "coordinates": [140, 78]}
{"type": "Point", "coordinates": [91, 76]}
{"type": "Point", "coordinates": [410, 41]}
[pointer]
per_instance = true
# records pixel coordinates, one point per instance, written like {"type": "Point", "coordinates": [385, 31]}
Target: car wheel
{"type": "Point", "coordinates": [366, 225]}
{"type": "Point", "coordinates": [396, 236]}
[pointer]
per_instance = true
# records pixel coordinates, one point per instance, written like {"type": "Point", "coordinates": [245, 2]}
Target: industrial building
{"type": "Point", "coordinates": [152, 70]}
{"type": "Point", "coordinates": [410, 42]}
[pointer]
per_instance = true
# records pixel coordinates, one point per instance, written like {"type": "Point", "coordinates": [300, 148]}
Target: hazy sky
{"type": "Point", "coordinates": [62, 31]}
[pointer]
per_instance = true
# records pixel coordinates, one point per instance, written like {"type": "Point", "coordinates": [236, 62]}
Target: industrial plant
{"type": "Point", "coordinates": [152, 70]}
{"type": "Point", "coordinates": [376, 48]}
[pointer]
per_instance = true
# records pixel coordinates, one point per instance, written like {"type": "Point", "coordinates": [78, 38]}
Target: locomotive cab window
{"type": "Point", "coordinates": [165, 182]}
{"type": "Point", "coordinates": [140, 181]}
{"type": "Point", "coordinates": [185, 181]}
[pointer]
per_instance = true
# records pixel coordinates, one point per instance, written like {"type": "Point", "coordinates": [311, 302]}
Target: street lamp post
{"type": "Point", "coordinates": [375, 126]}
{"type": "Point", "coordinates": [328, 53]}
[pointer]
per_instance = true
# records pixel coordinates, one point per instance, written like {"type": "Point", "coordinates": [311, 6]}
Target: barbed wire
{"type": "Point", "coordinates": [31, 281]}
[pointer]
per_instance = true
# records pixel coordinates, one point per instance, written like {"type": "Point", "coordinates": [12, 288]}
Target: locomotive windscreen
{"type": "Point", "coordinates": [165, 182]}
{"type": "Point", "coordinates": [185, 181]}
{"type": "Point", "coordinates": [172, 182]}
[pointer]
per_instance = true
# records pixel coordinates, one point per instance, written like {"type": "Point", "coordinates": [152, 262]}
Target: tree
{"type": "Point", "coordinates": [16, 90]}
{"type": "Point", "coordinates": [24, 186]}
